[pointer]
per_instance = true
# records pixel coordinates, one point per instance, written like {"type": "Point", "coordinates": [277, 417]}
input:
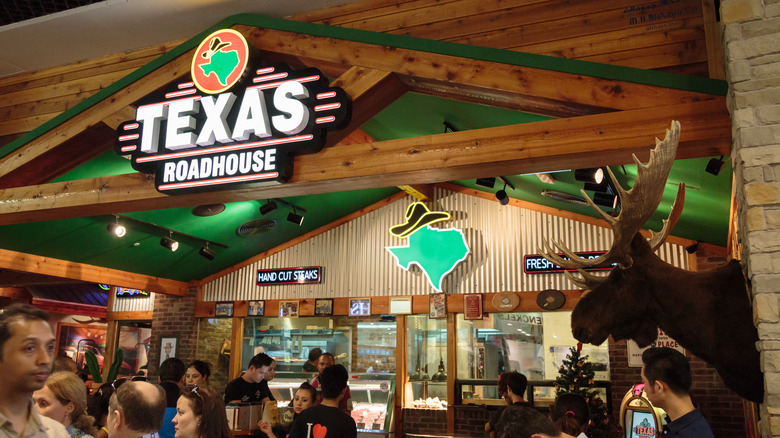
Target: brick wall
{"type": "Point", "coordinates": [751, 46]}
{"type": "Point", "coordinates": [424, 421]}
{"type": "Point", "coordinates": [470, 420]}
{"type": "Point", "coordinates": [212, 333]}
{"type": "Point", "coordinates": [174, 316]}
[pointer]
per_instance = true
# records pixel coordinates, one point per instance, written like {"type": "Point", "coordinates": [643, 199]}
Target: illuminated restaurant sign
{"type": "Point", "coordinates": [306, 275]}
{"type": "Point", "coordinates": [231, 122]}
{"type": "Point", "coordinates": [536, 264]}
{"type": "Point", "coordinates": [124, 292]}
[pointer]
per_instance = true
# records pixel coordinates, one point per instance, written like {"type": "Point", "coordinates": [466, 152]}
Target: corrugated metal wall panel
{"type": "Point", "coordinates": [356, 264]}
{"type": "Point", "coordinates": [133, 304]}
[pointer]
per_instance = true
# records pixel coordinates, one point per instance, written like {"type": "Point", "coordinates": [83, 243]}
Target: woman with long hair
{"type": "Point", "coordinates": [64, 398]}
{"type": "Point", "coordinates": [305, 397]}
{"type": "Point", "coordinates": [571, 414]}
{"type": "Point", "coordinates": [98, 408]}
{"type": "Point", "coordinates": [200, 413]}
{"type": "Point", "coordinates": [198, 373]}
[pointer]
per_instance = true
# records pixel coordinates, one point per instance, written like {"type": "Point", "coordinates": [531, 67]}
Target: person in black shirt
{"type": "Point", "coordinates": [515, 384]}
{"type": "Point", "coordinates": [250, 387]}
{"type": "Point", "coordinates": [326, 420]}
{"type": "Point", "coordinates": [310, 366]}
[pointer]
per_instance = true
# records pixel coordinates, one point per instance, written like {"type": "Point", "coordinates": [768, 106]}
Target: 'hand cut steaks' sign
{"type": "Point", "coordinates": [233, 121]}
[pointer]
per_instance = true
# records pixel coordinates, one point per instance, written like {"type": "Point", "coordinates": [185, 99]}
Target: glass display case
{"type": "Point", "coordinates": [426, 354]}
{"type": "Point", "coordinates": [372, 399]}
{"type": "Point", "coordinates": [539, 393]}
{"type": "Point", "coordinates": [533, 343]}
{"type": "Point", "coordinates": [289, 340]}
{"type": "Point", "coordinates": [376, 346]}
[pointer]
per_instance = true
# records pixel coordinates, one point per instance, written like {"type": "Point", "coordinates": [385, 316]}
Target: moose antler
{"type": "Point", "coordinates": [637, 206]}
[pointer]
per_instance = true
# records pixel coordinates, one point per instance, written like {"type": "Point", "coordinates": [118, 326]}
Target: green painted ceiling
{"type": "Point", "coordinates": [86, 240]}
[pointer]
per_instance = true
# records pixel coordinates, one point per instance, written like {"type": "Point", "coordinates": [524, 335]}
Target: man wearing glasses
{"type": "Point", "coordinates": [136, 410]}
{"type": "Point", "coordinates": [26, 354]}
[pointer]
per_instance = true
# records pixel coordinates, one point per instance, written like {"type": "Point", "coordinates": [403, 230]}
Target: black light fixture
{"type": "Point", "coordinates": [268, 207]}
{"type": "Point", "coordinates": [116, 228]}
{"type": "Point", "coordinates": [605, 199]}
{"type": "Point", "coordinates": [486, 182]}
{"type": "Point", "coordinates": [594, 187]}
{"type": "Point", "coordinates": [593, 174]}
{"type": "Point", "coordinates": [714, 165]}
{"type": "Point", "coordinates": [502, 197]}
{"type": "Point", "coordinates": [690, 249]}
{"type": "Point", "coordinates": [294, 217]}
{"type": "Point", "coordinates": [169, 243]}
{"type": "Point", "coordinates": [207, 252]}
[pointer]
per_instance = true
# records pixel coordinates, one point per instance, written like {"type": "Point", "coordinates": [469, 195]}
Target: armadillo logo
{"type": "Point", "coordinates": [231, 123]}
{"type": "Point", "coordinates": [219, 61]}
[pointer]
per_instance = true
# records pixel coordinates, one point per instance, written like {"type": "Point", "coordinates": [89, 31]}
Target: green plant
{"type": "Point", "coordinates": [94, 368]}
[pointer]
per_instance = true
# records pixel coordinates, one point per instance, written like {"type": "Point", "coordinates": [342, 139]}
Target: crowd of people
{"type": "Point", "coordinates": [42, 397]}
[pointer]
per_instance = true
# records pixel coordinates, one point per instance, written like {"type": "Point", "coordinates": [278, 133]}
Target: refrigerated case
{"type": "Point", "coordinates": [289, 340]}
{"type": "Point", "coordinates": [539, 393]}
{"type": "Point", "coordinates": [426, 354]}
{"type": "Point", "coordinates": [372, 400]}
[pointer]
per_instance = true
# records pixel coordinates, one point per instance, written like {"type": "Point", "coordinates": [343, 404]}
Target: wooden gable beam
{"type": "Point", "coordinates": [19, 261]}
{"type": "Point", "coordinates": [526, 88]}
{"type": "Point", "coordinates": [587, 141]}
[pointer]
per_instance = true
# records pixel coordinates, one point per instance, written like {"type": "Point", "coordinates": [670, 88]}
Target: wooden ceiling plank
{"type": "Point", "coordinates": [526, 81]}
{"type": "Point", "coordinates": [79, 271]}
{"type": "Point", "coordinates": [602, 139]}
{"type": "Point", "coordinates": [101, 110]}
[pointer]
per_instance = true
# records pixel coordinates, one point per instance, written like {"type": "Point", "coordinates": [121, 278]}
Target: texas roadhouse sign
{"type": "Point", "coordinates": [233, 121]}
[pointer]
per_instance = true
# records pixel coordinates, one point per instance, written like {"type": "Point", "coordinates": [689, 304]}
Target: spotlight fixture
{"type": "Point", "coordinates": [268, 207]}
{"type": "Point", "coordinates": [594, 187]}
{"type": "Point", "coordinates": [116, 228]}
{"type": "Point", "coordinates": [595, 175]}
{"type": "Point", "coordinates": [486, 182]}
{"type": "Point", "coordinates": [169, 243]}
{"type": "Point", "coordinates": [605, 200]}
{"type": "Point", "coordinates": [205, 251]}
{"type": "Point", "coordinates": [295, 218]}
{"type": "Point", "coordinates": [502, 197]}
{"type": "Point", "coordinates": [714, 165]}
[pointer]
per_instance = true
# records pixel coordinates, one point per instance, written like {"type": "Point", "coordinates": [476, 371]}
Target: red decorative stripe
{"type": "Point", "coordinates": [131, 126]}
{"type": "Point", "coordinates": [128, 137]}
{"type": "Point", "coordinates": [180, 93]}
{"type": "Point", "coordinates": [326, 95]}
{"type": "Point", "coordinates": [128, 148]}
{"type": "Point", "coordinates": [186, 85]}
{"type": "Point", "coordinates": [263, 71]}
{"type": "Point", "coordinates": [276, 84]}
{"type": "Point", "coordinates": [196, 152]}
{"type": "Point", "coordinates": [269, 77]}
{"type": "Point", "coordinates": [211, 182]}
{"type": "Point", "coordinates": [322, 120]}
{"type": "Point", "coordinates": [328, 106]}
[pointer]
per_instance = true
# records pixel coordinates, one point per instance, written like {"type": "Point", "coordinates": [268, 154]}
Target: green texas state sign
{"type": "Point", "coordinates": [232, 121]}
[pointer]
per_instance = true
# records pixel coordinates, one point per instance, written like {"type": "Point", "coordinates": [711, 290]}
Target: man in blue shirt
{"type": "Point", "coordinates": [666, 374]}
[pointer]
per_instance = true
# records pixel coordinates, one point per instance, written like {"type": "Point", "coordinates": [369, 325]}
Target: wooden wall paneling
{"type": "Point", "coordinates": [88, 65]}
{"type": "Point", "coordinates": [714, 40]}
{"type": "Point", "coordinates": [668, 55]}
{"type": "Point", "coordinates": [55, 105]}
{"type": "Point", "coordinates": [323, 16]}
{"type": "Point", "coordinates": [205, 309]}
{"type": "Point", "coordinates": [523, 80]}
{"type": "Point", "coordinates": [360, 12]}
{"type": "Point", "coordinates": [602, 139]}
{"type": "Point", "coordinates": [574, 26]}
{"type": "Point", "coordinates": [25, 124]}
{"type": "Point", "coordinates": [623, 39]}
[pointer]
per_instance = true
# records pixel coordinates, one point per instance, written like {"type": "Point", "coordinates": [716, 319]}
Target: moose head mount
{"type": "Point", "coordinates": [708, 313]}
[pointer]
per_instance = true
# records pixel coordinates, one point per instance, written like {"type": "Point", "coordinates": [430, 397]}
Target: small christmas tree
{"type": "Point", "coordinates": [576, 376]}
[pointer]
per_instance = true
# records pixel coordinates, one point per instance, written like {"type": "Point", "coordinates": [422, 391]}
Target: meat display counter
{"type": "Point", "coordinates": [372, 400]}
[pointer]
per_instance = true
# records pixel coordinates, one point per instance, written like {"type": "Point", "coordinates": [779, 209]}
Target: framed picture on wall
{"type": "Point", "coordinates": [224, 309]}
{"type": "Point", "coordinates": [361, 306]}
{"type": "Point", "coordinates": [288, 309]}
{"type": "Point", "coordinates": [472, 306]}
{"type": "Point", "coordinates": [255, 308]}
{"type": "Point", "coordinates": [323, 306]}
{"type": "Point", "coordinates": [168, 346]}
{"type": "Point", "coordinates": [73, 340]}
{"type": "Point", "coordinates": [437, 306]}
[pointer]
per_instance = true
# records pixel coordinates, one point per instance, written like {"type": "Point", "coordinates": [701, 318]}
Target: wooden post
{"type": "Point", "coordinates": [452, 371]}
{"type": "Point", "coordinates": [236, 339]}
{"type": "Point", "coordinates": [112, 334]}
{"type": "Point", "coordinates": [400, 373]}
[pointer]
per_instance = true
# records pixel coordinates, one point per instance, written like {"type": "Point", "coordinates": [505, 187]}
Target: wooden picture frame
{"type": "Point", "coordinates": [323, 306]}
{"type": "Point", "coordinates": [288, 309]}
{"type": "Point", "coordinates": [168, 347]}
{"type": "Point", "coordinates": [472, 306]}
{"type": "Point", "coordinates": [255, 308]}
{"type": "Point", "coordinates": [223, 309]}
{"type": "Point", "coordinates": [401, 305]}
{"type": "Point", "coordinates": [359, 306]}
{"type": "Point", "coordinates": [437, 306]}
